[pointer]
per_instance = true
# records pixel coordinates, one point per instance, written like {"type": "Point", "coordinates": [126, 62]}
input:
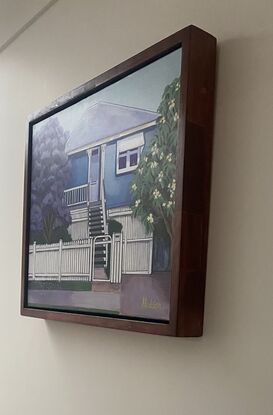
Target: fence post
{"type": "Point", "coordinates": [120, 258]}
{"type": "Point", "coordinates": [125, 252]}
{"type": "Point", "coordinates": [151, 256]}
{"type": "Point", "coordinates": [112, 259]}
{"type": "Point", "coordinates": [34, 258]}
{"type": "Point", "coordinates": [60, 259]}
{"type": "Point", "coordinates": [90, 258]}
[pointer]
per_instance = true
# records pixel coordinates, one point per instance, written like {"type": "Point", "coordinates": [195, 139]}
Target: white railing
{"type": "Point", "coordinates": [76, 195]}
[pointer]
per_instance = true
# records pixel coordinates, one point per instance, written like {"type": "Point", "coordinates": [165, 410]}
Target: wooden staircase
{"type": "Point", "coordinates": [96, 225]}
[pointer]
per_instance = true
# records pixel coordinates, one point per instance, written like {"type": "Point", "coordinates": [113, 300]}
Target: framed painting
{"type": "Point", "coordinates": [117, 188]}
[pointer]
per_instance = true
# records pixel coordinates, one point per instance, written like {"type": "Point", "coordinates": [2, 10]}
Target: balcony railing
{"type": "Point", "coordinates": [76, 195]}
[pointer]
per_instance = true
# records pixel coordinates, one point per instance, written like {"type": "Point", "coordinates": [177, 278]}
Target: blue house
{"type": "Point", "coordinates": [104, 150]}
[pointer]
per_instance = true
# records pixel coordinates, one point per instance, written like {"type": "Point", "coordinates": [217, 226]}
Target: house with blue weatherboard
{"type": "Point", "coordinates": [104, 151]}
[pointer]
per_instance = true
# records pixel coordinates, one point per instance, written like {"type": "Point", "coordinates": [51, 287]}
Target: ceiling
{"type": "Point", "coordinates": [16, 15]}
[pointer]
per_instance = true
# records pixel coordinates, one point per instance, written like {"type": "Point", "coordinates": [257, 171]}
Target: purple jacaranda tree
{"type": "Point", "coordinates": [50, 215]}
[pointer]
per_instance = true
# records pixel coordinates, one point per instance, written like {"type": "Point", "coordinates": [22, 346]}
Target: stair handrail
{"type": "Point", "coordinates": [103, 207]}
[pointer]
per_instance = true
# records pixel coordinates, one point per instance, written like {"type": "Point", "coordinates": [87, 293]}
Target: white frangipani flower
{"type": "Point", "coordinates": [160, 177]}
{"type": "Point", "coordinates": [156, 194]}
{"type": "Point", "coordinates": [137, 202]}
{"type": "Point", "coordinates": [134, 187]}
{"type": "Point", "coordinates": [150, 218]}
{"type": "Point", "coordinates": [171, 104]}
{"type": "Point", "coordinates": [162, 120]}
{"type": "Point", "coordinates": [155, 149]}
{"type": "Point", "coordinates": [154, 164]}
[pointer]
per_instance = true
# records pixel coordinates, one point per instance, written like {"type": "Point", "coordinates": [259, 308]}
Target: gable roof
{"type": "Point", "coordinates": [105, 119]}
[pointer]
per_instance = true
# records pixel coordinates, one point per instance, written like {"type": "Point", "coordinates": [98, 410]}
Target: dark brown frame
{"type": "Point", "coordinates": [189, 245]}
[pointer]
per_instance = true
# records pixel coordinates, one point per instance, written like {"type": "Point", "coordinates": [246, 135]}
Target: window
{"type": "Point", "coordinates": [128, 153]}
{"type": "Point", "coordinates": [128, 160]}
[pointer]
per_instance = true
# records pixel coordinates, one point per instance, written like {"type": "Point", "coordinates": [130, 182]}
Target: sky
{"type": "Point", "coordinates": [142, 89]}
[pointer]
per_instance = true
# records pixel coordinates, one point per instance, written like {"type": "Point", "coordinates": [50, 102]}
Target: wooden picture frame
{"type": "Point", "coordinates": [192, 196]}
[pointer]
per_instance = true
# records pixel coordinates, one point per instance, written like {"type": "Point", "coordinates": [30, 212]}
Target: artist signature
{"type": "Point", "coordinates": [150, 303]}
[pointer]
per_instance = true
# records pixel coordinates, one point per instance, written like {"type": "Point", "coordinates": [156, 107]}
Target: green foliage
{"type": "Point", "coordinates": [58, 233]}
{"type": "Point", "coordinates": [114, 227]}
{"type": "Point", "coordinates": [153, 185]}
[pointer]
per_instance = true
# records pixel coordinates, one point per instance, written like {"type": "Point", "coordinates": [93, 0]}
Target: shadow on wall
{"type": "Point", "coordinates": [242, 175]}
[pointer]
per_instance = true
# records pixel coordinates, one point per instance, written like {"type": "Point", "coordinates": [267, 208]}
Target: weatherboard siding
{"type": "Point", "coordinates": [117, 186]}
{"type": "Point", "coordinates": [79, 169]}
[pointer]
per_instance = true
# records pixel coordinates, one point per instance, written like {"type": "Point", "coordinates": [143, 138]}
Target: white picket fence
{"type": "Point", "coordinates": [75, 261]}
{"type": "Point", "coordinates": [137, 255]}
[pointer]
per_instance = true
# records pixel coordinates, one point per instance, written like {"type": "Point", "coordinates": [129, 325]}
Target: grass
{"type": "Point", "coordinates": [74, 309]}
{"type": "Point", "coordinates": [63, 285]}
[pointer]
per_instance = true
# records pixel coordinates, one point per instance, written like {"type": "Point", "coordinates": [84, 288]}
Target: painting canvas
{"type": "Point", "coordinates": [102, 198]}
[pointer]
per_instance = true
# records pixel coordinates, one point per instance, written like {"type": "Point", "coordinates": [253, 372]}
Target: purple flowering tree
{"type": "Point", "coordinates": [50, 215]}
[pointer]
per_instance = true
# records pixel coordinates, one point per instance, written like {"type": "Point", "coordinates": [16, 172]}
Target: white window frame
{"type": "Point", "coordinates": [127, 153]}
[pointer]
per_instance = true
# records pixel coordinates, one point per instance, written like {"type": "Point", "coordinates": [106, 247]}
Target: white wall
{"type": "Point", "coordinates": [54, 368]}
{"type": "Point", "coordinates": [16, 15]}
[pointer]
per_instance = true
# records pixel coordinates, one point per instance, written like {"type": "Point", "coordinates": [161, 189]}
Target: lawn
{"type": "Point", "coordinates": [63, 285]}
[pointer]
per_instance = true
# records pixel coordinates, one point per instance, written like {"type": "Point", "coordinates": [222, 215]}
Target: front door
{"type": "Point", "coordinates": [94, 174]}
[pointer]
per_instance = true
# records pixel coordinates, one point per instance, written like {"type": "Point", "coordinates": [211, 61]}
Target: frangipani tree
{"type": "Point", "coordinates": [153, 185]}
{"type": "Point", "coordinates": [50, 215]}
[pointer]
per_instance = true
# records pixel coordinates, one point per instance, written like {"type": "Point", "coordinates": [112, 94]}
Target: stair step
{"type": "Point", "coordinates": [94, 204]}
{"type": "Point", "coordinates": [95, 211]}
{"type": "Point", "coordinates": [92, 225]}
{"type": "Point", "coordinates": [100, 261]}
{"type": "Point", "coordinates": [97, 231]}
{"type": "Point", "coordinates": [100, 252]}
{"type": "Point", "coordinates": [98, 219]}
{"type": "Point", "coordinates": [96, 224]}
{"type": "Point", "coordinates": [100, 249]}
{"type": "Point", "coordinates": [92, 211]}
